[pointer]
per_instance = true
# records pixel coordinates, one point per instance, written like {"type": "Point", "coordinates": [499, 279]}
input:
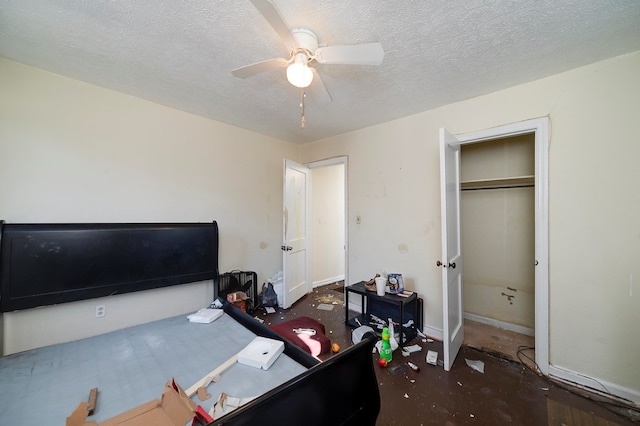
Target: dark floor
{"type": "Point", "coordinates": [506, 393]}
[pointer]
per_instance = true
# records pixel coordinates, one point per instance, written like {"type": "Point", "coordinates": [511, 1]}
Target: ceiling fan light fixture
{"type": "Point", "coordinates": [298, 72]}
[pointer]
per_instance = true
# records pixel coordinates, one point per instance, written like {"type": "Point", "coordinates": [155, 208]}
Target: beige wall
{"type": "Point", "coordinates": [498, 248]}
{"type": "Point", "coordinates": [72, 152]}
{"type": "Point", "coordinates": [594, 207]}
{"type": "Point", "coordinates": [328, 227]}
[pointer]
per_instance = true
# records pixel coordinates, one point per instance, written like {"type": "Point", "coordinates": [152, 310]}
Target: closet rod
{"type": "Point", "coordinates": [527, 181]}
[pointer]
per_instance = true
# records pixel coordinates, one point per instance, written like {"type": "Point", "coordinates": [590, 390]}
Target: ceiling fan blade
{"type": "Point", "coordinates": [258, 67]}
{"type": "Point", "coordinates": [273, 17]}
{"type": "Point", "coordinates": [317, 90]}
{"type": "Point", "coordinates": [356, 54]}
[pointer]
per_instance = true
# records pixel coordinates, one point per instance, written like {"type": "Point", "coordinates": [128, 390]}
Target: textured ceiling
{"type": "Point", "coordinates": [181, 53]}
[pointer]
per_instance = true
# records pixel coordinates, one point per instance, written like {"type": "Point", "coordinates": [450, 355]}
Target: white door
{"type": "Point", "coordinates": [295, 251]}
{"type": "Point", "coordinates": [453, 325]}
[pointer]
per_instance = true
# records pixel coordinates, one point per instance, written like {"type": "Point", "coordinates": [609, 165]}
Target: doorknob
{"type": "Point", "coordinates": [452, 265]}
{"type": "Point", "coordinates": [286, 248]}
{"type": "Point", "coordinates": [438, 263]}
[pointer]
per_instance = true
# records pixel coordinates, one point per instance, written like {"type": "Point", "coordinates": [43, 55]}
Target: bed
{"type": "Point", "coordinates": [130, 366]}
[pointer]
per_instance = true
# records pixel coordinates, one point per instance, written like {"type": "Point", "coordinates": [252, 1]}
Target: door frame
{"type": "Point", "coordinates": [332, 162]}
{"type": "Point", "coordinates": [540, 128]}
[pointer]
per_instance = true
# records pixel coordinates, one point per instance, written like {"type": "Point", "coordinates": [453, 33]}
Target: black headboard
{"type": "Point", "coordinates": [45, 264]}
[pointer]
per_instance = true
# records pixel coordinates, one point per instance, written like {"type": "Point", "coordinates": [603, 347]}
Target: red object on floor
{"type": "Point", "coordinates": [314, 345]}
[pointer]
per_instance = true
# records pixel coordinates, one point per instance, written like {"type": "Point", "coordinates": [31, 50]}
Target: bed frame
{"type": "Point", "coordinates": [44, 264]}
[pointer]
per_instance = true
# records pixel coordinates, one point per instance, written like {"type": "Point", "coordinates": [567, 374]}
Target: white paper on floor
{"type": "Point", "coordinates": [475, 365]}
{"type": "Point", "coordinates": [325, 307]}
{"type": "Point", "coordinates": [413, 348]}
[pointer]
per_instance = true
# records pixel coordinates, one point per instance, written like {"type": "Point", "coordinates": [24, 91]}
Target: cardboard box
{"type": "Point", "coordinates": [174, 408]}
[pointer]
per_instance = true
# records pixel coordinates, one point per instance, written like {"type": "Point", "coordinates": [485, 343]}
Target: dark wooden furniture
{"type": "Point", "coordinates": [46, 264]}
{"type": "Point", "coordinates": [367, 298]}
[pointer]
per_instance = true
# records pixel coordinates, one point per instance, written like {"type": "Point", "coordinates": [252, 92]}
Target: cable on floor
{"type": "Point", "coordinates": [631, 413]}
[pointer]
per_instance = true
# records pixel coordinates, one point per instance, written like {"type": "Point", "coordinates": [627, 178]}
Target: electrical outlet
{"type": "Point", "coordinates": [101, 311]}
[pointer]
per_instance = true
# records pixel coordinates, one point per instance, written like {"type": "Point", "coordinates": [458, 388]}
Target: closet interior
{"type": "Point", "coordinates": [497, 208]}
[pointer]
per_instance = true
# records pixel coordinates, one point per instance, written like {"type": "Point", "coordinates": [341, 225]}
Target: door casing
{"type": "Point", "coordinates": [331, 162]}
{"type": "Point", "coordinates": [540, 128]}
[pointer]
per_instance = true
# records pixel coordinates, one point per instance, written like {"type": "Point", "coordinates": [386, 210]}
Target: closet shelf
{"type": "Point", "coordinates": [510, 182]}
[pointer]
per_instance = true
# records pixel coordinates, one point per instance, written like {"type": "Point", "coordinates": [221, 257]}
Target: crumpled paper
{"type": "Point", "coordinates": [475, 365]}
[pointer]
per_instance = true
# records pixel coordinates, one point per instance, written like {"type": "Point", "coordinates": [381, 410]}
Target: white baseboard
{"type": "Point", "coordinates": [355, 307]}
{"type": "Point", "coordinates": [599, 386]}
{"type": "Point", "coordinates": [327, 281]}
{"type": "Point", "coordinates": [434, 333]}
{"type": "Point", "coordinates": [501, 324]}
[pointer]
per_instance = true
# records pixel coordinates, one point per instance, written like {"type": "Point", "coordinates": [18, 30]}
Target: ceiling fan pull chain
{"type": "Point", "coordinates": [302, 96]}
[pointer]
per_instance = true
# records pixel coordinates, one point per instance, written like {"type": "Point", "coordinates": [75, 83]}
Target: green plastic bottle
{"type": "Point", "coordinates": [385, 351]}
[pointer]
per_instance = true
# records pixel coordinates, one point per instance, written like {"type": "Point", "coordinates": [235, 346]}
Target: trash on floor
{"type": "Point", "coordinates": [325, 307]}
{"type": "Point", "coordinates": [329, 298]}
{"type": "Point", "coordinates": [412, 348]}
{"type": "Point", "coordinates": [432, 357]}
{"type": "Point", "coordinates": [413, 366]}
{"type": "Point", "coordinates": [358, 333]}
{"type": "Point", "coordinates": [392, 336]}
{"type": "Point", "coordinates": [475, 365]}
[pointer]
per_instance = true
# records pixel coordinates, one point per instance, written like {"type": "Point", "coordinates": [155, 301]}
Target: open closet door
{"type": "Point", "coordinates": [295, 242]}
{"type": "Point", "coordinates": [453, 325]}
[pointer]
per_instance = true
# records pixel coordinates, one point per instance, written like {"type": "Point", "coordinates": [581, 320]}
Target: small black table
{"type": "Point", "coordinates": [366, 295]}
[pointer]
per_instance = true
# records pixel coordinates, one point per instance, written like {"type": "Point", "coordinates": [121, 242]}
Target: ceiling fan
{"type": "Point", "coordinates": [304, 50]}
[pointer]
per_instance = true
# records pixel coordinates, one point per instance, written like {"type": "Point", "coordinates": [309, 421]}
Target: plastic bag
{"type": "Point", "coordinates": [278, 286]}
{"type": "Point", "coordinates": [269, 296]}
